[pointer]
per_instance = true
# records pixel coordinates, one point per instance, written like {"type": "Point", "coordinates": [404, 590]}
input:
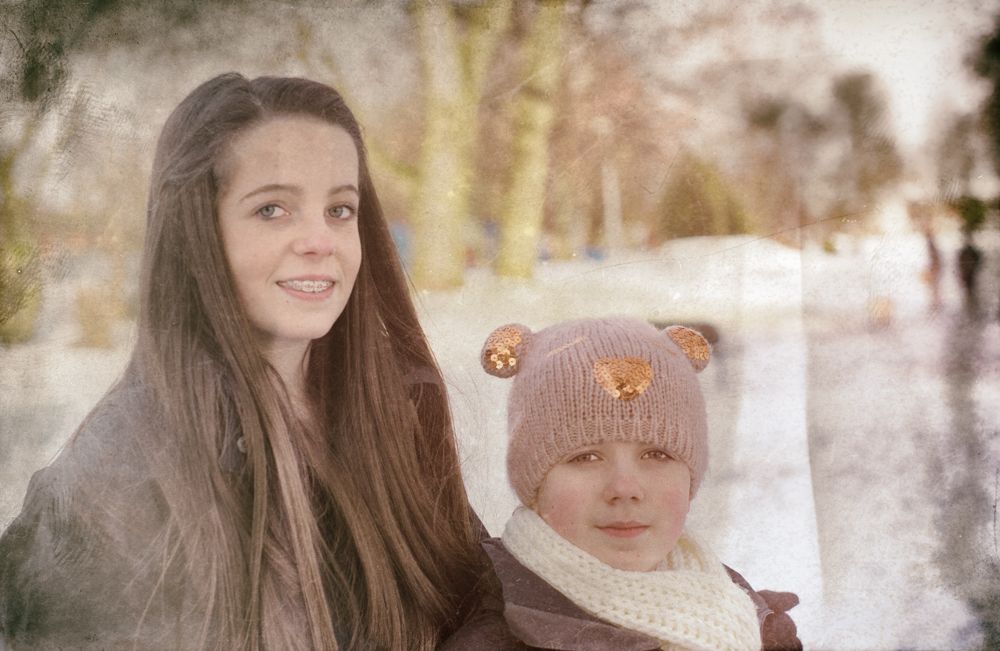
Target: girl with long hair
{"type": "Point", "coordinates": [277, 467]}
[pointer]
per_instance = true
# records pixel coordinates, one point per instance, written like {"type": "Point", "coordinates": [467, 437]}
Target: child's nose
{"type": "Point", "coordinates": [623, 485]}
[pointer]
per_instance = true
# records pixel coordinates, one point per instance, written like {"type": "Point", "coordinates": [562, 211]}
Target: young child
{"type": "Point", "coordinates": [608, 445]}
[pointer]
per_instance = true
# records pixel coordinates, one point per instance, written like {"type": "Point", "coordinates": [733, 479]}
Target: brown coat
{"type": "Point", "coordinates": [531, 614]}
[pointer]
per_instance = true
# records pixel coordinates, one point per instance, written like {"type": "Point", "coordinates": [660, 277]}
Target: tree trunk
{"type": "Point", "coordinates": [534, 110]}
{"type": "Point", "coordinates": [437, 259]}
{"type": "Point", "coordinates": [611, 201]}
{"type": "Point", "coordinates": [454, 70]}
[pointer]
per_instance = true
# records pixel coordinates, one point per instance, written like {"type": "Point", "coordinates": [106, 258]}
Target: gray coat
{"type": "Point", "coordinates": [86, 563]}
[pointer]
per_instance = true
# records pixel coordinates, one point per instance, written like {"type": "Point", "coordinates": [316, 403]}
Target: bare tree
{"type": "Point", "coordinates": [456, 46]}
{"type": "Point", "coordinates": [46, 116]}
{"type": "Point", "coordinates": [783, 176]}
{"type": "Point", "coordinates": [534, 114]}
{"type": "Point", "coordinates": [871, 163]}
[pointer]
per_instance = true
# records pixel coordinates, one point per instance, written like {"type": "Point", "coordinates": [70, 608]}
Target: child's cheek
{"type": "Point", "coordinates": [676, 506]}
{"type": "Point", "coordinates": [561, 510]}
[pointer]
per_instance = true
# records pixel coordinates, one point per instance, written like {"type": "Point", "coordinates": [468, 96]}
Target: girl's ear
{"type": "Point", "coordinates": [693, 345]}
{"type": "Point", "coordinates": [504, 348]}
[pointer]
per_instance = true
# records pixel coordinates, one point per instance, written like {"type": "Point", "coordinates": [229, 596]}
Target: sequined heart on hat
{"type": "Point", "coordinates": [623, 378]}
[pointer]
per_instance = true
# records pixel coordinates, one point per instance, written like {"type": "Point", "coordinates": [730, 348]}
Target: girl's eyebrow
{"type": "Point", "coordinates": [273, 187]}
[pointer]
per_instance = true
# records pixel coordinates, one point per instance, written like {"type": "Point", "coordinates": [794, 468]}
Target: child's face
{"type": "Point", "coordinates": [623, 503]}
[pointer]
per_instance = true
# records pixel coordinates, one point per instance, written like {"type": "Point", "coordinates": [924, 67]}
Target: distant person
{"type": "Point", "coordinates": [608, 445]}
{"type": "Point", "coordinates": [970, 259]}
{"type": "Point", "coordinates": [276, 469]}
{"type": "Point", "coordinates": [932, 274]}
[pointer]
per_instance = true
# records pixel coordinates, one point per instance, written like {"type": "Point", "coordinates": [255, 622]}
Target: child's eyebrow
{"type": "Point", "coordinates": [565, 346]}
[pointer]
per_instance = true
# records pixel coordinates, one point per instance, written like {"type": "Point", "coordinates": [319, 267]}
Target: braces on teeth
{"type": "Point", "coordinates": [308, 285]}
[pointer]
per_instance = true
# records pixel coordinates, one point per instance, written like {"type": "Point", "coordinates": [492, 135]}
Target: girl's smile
{"type": "Point", "coordinates": [309, 288]}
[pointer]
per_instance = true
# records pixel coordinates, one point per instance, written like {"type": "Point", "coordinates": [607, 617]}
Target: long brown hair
{"type": "Point", "coordinates": [353, 525]}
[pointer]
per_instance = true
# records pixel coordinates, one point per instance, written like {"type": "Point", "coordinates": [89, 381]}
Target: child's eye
{"type": "Point", "coordinates": [657, 455]}
{"type": "Point", "coordinates": [583, 457]}
{"type": "Point", "coordinates": [271, 211]}
{"type": "Point", "coordinates": [342, 212]}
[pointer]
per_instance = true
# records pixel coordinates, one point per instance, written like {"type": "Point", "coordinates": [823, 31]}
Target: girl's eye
{"type": "Point", "coordinates": [658, 455]}
{"type": "Point", "coordinates": [583, 457]}
{"type": "Point", "coordinates": [342, 212]}
{"type": "Point", "coordinates": [271, 211]}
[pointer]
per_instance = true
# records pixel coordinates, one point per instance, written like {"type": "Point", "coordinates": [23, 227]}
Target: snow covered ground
{"type": "Point", "coordinates": [854, 436]}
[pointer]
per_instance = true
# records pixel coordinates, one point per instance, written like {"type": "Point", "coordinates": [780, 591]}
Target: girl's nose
{"type": "Point", "coordinates": [314, 237]}
{"type": "Point", "coordinates": [623, 485]}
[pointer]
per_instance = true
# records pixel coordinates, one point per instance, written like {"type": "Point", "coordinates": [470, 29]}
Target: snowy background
{"type": "Point", "coordinates": [854, 431]}
{"type": "Point", "coordinates": [855, 437]}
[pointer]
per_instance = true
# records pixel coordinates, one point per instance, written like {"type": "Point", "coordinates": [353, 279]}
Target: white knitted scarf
{"type": "Point", "coordinates": [692, 604]}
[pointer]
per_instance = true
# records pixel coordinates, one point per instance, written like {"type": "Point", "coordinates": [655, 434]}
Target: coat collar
{"type": "Point", "coordinates": [541, 616]}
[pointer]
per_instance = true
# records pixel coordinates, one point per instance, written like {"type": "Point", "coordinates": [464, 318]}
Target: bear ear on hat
{"type": "Point", "coordinates": [692, 344]}
{"type": "Point", "coordinates": [503, 349]}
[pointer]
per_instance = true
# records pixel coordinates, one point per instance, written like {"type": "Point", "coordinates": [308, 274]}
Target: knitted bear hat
{"type": "Point", "coordinates": [580, 383]}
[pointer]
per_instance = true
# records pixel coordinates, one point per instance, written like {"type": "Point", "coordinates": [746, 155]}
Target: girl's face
{"type": "Point", "coordinates": [623, 503]}
{"type": "Point", "coordinates": [288, 215]}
